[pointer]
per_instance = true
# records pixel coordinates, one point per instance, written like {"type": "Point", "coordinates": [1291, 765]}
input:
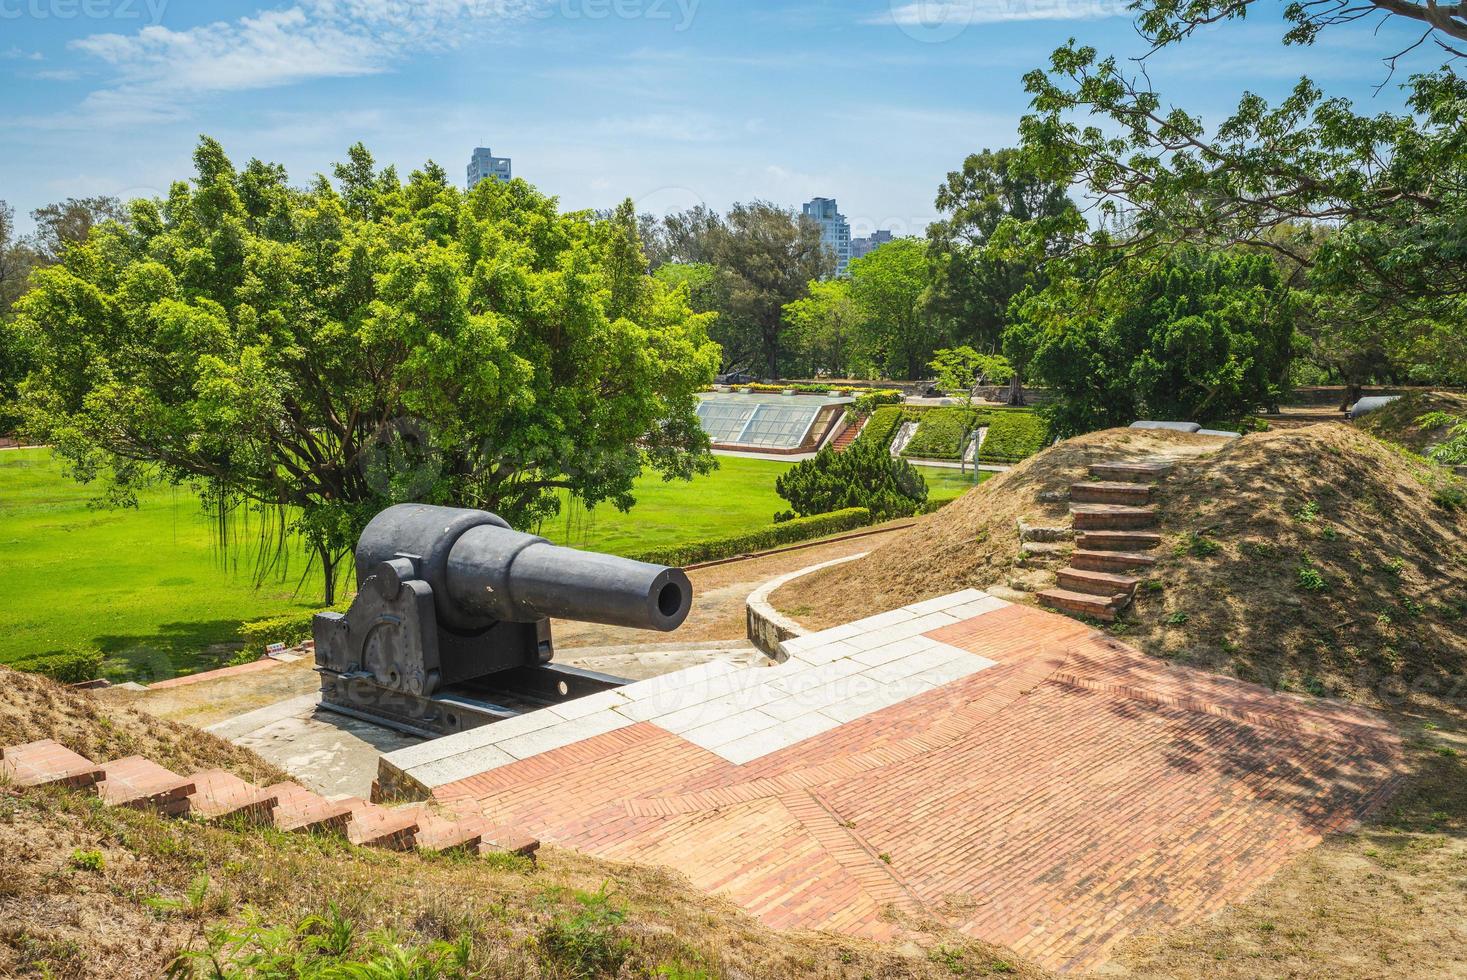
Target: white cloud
{"type": "Point", "coordinates": [20, 54]}
{"type": "Point", "coordinates": [158, 70]}
{"type": "Point", "coordinates": [945, 18]}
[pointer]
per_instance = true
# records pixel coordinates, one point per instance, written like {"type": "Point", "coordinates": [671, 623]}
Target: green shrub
{"type": "Point", "coordinates": [786, 532]}
{"type": "Point", "coordinates": [290, 629]}
{"type": "Point", "coordinates": [588, 943]}
{"type": "Point", "coordinates": [882, 427]}
{"type": "Point", "coordinates": [870, 401]}
{"type": "Point", "coordinates": [70, 666]}
{"type": "Point", "coordinates": [941, 433]}
{"type": "Point", "coordinates": [1014, 436]}
{"type": "Point", "coordinates": [87, 860]}
{"type": "Point", "coordinates": [865, 475]}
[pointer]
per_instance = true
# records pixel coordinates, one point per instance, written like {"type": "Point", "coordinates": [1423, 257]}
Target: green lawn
{"type": "Point", "coordinates": [151, 588]}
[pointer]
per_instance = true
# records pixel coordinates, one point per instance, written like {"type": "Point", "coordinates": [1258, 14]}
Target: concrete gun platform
{"type": "Point", "coordinates": [1007, 771]}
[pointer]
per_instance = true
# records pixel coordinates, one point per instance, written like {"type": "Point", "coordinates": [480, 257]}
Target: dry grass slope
{"type": "Point", "coordinates": [1317, 559]}
{"type": "Point", "coordinates": [1397, 421]}
{"type": "Point", "coordinates": [88, 891]}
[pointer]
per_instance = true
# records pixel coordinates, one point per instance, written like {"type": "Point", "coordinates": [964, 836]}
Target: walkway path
{"type": "Point", "coordinates": [1002, 769]}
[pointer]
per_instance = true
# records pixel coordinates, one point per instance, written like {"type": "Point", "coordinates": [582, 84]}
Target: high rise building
{"type": "Point", "coordinates": [835, 232]}
{"type": "Point", "coordinates": [485, 165]}
{"type": "Point", "coordinates": [862, 247]}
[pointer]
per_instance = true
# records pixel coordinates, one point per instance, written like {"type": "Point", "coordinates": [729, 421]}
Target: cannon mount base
{"type": "Point", "coordinates": [462, 707]}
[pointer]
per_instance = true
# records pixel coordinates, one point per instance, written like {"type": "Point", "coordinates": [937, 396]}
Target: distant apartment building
{"type": "Point", "coordinates": [835, 232]}
{"type": "Point", "coordinates": [485, 165]}
{"type": "Point", "coordinates": [862, 247]}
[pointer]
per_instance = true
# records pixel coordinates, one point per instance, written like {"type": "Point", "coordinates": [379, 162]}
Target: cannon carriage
{"type": "Point", "coordinates": [450, 628]}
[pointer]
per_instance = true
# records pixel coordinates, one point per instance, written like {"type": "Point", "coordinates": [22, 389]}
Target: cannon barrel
{"type": "Point", "coordinates": [483, 572]}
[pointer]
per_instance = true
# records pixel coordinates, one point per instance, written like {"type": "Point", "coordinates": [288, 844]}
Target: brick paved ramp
{"type": "Point", "coordinates": [1009, 772]}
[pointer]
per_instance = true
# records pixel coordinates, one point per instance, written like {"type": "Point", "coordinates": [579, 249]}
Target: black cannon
{"type": "Point", "coordinates": [450, 628]}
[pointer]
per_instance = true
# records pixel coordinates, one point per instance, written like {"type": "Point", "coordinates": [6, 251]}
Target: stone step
{"type": "Point", "coordinates": [1040, 553]}
{"type": "Point", "coordinates": [1098, 583]}
{"type": "Point", "coordinates": [1041, 534]}
{"type": "Point", "coordinates": [379, 826]}
{"type": "Point", "coordinates": [1111, 517]}
{"type": "Point", "coordinates": [1130, 472]}
{"type": "Point", "coordinates": [1118, 540]}
{"type": "Point", "coordinates": [144, 785]}
{"type": "Point", "coordinates": [1105, 608]}
{"type": "Point", "coordinates": [1110, 561]}
{"type": "Point", "coordinates": [298, 809]}
{"type": "Point", "coordinates": [1111, 492]}
{"type": "Point", "coordinates": [219, 794]}
{"type": "Point", "coordinates": [48, 763]}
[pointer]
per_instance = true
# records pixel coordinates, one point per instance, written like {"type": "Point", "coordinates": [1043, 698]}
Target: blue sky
{"type": "Point", "coordinates": [669, 102]}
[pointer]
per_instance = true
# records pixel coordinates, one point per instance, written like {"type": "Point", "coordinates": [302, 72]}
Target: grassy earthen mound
{"type": "Point", "coordinates": [1316, 559]}
{"type": "Point", "coordinates": [33, 707]}
{"type": "Point", "coordinates": [1396, 421]}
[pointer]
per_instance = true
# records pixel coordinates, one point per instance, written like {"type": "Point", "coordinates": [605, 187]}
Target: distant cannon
{"type": "Point", "coordinates": [450, 628]}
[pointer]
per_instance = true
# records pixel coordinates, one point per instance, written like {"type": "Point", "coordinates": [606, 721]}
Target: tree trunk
{"type": "Point", "coordinates": [328, 573]}
{"type": "Point", "coordinates": [1016, 389]}
{"type": "Point", "coordinates": [1353, 391]}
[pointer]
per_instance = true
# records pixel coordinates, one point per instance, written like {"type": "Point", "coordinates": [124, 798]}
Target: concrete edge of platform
{"type": "Point", "coordinates": [767, 627]}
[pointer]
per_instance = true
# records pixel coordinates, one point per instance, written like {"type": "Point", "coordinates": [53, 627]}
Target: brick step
{"type": "Point", "coordinates": [48, 763]}
{"type": "Point", "coordinates": [1130, 472]}
{"type": "Point", "coordinates": [847, 436]}
{"type": "Point", "coordinates": [219, 794]}
{"type": "Point", "coordinates": [144, 785]}
{"type": "Point", "coordinates": [1118, 541]}
{"type": "Point", "coordinates": [438, 831]}
{"type": "Point", "coordinates": [1110, 561]}
{"type": "Point", "coordinates": [379, 826]}
{"type": "Point", "coordinates": [502, 840]}
{"type": "Point", "coordinates": [1105, 608]}
{"type": "Point", "coordinates": [298, 809]}
{"type": "Point", "coordinates": [1097, 583]}
{"type": "Point", "coordinates": [1110, 517]}
{"type": "Point", "coordinates": [1111, 492]}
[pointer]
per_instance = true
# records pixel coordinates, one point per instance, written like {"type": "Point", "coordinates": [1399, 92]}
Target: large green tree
{"type": "Point", "coordinates": [1389, 190]}
{"type": "Point", "coordinates": [825, 327]}
{"type": "Point", "coordinates": [322, 353]}
{"type": "Point", "coordinates": [1190, 335]}
{"type": "Point", "coordinates": [892, 286]}
{"type": "Point", "coordinates": [1000, 219]}
{"type": "Point", "coordinates": [767, 256]}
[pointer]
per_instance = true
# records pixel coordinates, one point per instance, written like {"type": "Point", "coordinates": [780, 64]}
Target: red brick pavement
{"type": "Point", "coordinates": [1075, 794]}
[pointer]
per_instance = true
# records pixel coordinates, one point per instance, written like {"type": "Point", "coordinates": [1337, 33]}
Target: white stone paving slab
{"type": "Point", "coordinates": [832, 678]}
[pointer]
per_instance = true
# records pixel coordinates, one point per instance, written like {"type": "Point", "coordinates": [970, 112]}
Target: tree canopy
{"type": "Point", "coordinates": [1190, 335]}
{"type": "Point", "coordinates": [322, 353]}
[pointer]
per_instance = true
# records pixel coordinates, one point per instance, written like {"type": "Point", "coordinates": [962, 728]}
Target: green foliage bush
{"type": "Point", "coordinates": [1014, 436]}
{"type": "Point", "coordinates": [588, 943]}
{"type": "Point", "coordinates": [882, 426]}
{"type": "Point", "coordinates": [290, 629]}
{"type": "Point", "coordinates": [786, 532]}
{"type": "Point", "coordinates": [70, 666]}
{"type": "Point", "coordinates": [941, 433]}
{"type": "Point", "coordinates": [870, 401]}
{"type": "Point", "coordinates": [865, 475]}
{"type": "Point", "coordinates": [320, 947]}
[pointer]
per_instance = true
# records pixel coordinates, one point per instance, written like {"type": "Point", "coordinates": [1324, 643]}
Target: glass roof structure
{"type": "Point", "coordinates": [762, 421]}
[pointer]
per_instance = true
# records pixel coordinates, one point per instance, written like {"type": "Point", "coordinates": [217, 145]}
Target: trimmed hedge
{"type": "Point", "coordinates": [73, 666]}
{"type": "Point", "coordinates": [941, 433]}
{"type": "Point", "coordinates": [883, 426]}
{"type": "Point", "coordinates": [1014, 437]}
{"type": "Point", "coordinates": [788, 532]}
{"type": "Point", "coordinates": [291, 629]}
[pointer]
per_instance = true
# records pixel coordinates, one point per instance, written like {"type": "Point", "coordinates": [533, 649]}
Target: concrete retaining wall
{"type": "Point", "coordinates": [768, 628]}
